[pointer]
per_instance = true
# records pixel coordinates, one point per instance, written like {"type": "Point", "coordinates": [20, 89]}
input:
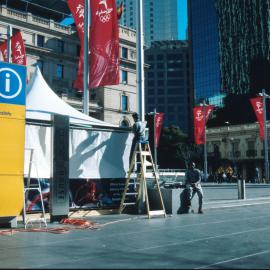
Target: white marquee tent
{"type": "Point", "coordinates": [94, 153]}
{"type": "Point", "coordinates": [42, 102]}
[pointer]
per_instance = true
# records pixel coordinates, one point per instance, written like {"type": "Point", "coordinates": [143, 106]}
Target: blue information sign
{"type": "Point", "coordinates": [12, 83]}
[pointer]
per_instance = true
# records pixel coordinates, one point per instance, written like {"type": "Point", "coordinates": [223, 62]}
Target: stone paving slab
{"type": "Point", "coordinates": [235, 238]}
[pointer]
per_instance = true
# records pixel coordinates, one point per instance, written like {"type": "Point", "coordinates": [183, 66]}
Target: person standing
{"type": "Point", "coordinates": [193, 184]}
{"type": "Point", "coordinates": [138, 130]}
{"type": "Point", "coordinates": [257, 175]}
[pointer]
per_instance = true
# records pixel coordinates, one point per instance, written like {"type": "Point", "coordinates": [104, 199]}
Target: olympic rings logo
{"type": "Point", "coordinates": [105, 18]}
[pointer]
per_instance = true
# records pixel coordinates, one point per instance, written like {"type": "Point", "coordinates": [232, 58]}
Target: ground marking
{"type": "Point", "coordinates": [234, 259]}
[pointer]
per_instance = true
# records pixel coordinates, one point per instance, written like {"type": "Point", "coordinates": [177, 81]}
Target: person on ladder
{"type": "Point", "coordinates": [193, 184]}
{"type": "Point", "coordinates": [138, 130]}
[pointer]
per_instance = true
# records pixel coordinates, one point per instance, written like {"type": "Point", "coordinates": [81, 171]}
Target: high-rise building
{"type": "Point", "coordinates": [204, 45]}
{"type": "Point", "coordinates": [230, 43]}
{"type": "Point", "coordinates": [167, 84]}
{"type": "Point", "coordinates": [244, 41]}
{"type": "Point", "coordinates": [160, 18]}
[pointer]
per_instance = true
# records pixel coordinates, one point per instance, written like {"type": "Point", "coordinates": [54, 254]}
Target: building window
{"type": "Point", "coordinates": [124, 103]}
{"type": "Point", "coordinates": [124, 123]}
{"type": "Point", "coordinates": [60, 71]}
{"type": "Point", "coordinates": [124, 53]}
{"type": "Point", "coordinates": [40, 64]}
{"type": "Point", "coordinates": [60, 45]}
{"type": "Point", "coordinates": [40, 41]}
{"type": "Point", "coordinates": [150, 57]}
{"type": "Point", "coordinates": [124, 76]}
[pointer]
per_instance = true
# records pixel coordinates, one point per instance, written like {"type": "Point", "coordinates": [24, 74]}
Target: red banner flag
{"type": "Point", "coordinates": [257, 104]}
{"type": "Point", "coordinates": [3, 49]}
{"type": "Point", "coordinates": [158, 120]}
{"type": "Point", "coordinates": [120, 10]}
{"type": "Point", "coordinates": [104, 42]}
{"type": "Point", "coordinates": [77, 10]}
{"type": "Point", "coordinates": [199, 122]}
{"type": "Point", "coordinates": [18, 49]}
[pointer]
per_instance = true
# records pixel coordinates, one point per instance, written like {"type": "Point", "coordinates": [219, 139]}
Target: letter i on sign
{"type": "Point", "coordinates": [7, 89]}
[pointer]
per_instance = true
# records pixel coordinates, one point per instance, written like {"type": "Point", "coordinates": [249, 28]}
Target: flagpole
{"type": "Point", "coordinates": [140, 60]}
{"type": "Point", "coordinates": [9, 31]}
{"type": "Point", "coordinates": [140, 84]}
{"type": "Point", "coordinates": [266, 161]}
{"type": "Point", "coordinates": [204, 146]}
{"type": "Point", "coordinates": [155, 146]}
{"type": "Point", "coordinates": [86, 58]}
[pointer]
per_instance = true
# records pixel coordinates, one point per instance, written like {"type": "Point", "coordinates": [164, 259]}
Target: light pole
{"type": "Point", "coordinates": [204, 146]}
{"type": "Point", "coordinates": [266, 161]}
{"type": "Point", "coordinates": [227, 139]}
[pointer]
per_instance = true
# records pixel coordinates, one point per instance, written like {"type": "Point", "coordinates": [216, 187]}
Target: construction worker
{"type": "Point", "coordinates": [138, 130]}
{"type": "Point", "coordinates": [193, 184]}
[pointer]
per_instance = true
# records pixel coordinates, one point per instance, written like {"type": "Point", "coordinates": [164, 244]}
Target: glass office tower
{"type": "Point", "coordinates": [244, 39]}
{"type": "Point", "coordinates": [203, 34]}
{"type": "Point", "coordinates": [230, 43]}
{"type": "Point", "coordinates": [160, 18]}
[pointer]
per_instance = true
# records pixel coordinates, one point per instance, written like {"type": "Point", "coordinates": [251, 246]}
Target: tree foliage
{"type": "Point", "coordinates": [176, 149]}
{"type": "Point", "coordinates": [237, 110]}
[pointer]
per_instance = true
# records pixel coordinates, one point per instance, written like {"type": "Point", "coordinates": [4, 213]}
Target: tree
{"type": "Point", "coordinates": [237, 110]}
{"type": "Point", "coordinates": [176, 149]}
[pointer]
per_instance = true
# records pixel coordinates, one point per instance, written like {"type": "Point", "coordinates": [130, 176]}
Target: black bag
{"type": "Point", "coordinates": [184, 202]}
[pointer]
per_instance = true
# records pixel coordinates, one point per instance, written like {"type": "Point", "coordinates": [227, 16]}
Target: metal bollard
{"type": "Point", "coordinates": [241, 189]}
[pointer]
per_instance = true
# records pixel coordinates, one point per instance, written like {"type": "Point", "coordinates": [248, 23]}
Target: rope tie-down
{"type": "Point", "coordinates": [76, 224]}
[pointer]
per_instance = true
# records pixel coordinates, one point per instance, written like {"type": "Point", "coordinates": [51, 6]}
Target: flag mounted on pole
{"type": "Point", "coordinates": [77, 10]}
{"type": "Point", "coordinates": [17, 49]}
{"type": "Point", "coordinates": [158, 120]}
{"type": "Point", "coordinates": [120, 10]}
{"type": "Point", "coordinates": [104, 42]}
{"type": "Point", "coordinates": [257, 104]}
{"type": "Point", "coordinates": [200, 122]}
{"type": "Point", "coordinates": [3, 49]}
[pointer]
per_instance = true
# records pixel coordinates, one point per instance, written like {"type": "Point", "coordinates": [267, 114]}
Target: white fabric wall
{"type": "Point", "coordinates": [93, 154]}
{"type": "Point", "coordinates": [38, 138]}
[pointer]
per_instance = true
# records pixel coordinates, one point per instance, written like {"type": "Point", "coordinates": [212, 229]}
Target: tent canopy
{"type": "Point", "coordinates": [42, 103]}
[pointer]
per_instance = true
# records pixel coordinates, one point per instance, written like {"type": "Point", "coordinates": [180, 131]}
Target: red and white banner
{"type": "Point", "coordinates": [200, 122]}
{"type": "Point", "coordinates": [3, 49]}
{"type": "Point", "coordinates": [18, 54]}
{"type": "Point", "coordinates": [18, 49]}
{"type": "Point", "coordinates": [77, 10]}
{"type": "Point", "coordinates": [158, 120]}
{"type": "Point", "coordinates": [257, 104]}
{"type": "Point", "coordinates": [104, 42]}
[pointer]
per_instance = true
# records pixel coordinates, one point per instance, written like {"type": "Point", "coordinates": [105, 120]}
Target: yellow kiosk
{"type": "Point", "coordinates": [12, 138]}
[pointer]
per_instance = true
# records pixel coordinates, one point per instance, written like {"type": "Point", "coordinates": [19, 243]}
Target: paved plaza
{"type": "Point", "coordinates": [230, 234]}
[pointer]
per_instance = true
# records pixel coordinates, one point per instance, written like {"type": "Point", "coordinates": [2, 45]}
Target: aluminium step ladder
{"type": "Point", "coordinates": [142, 149]}
{"type": "Point", "coordinates": [30, 186]}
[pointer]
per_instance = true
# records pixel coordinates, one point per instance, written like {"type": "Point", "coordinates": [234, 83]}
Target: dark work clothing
{"type": "Point", "coordinates": [193, 176]}
{"type": "Point", "coordinates": [193, 185]}
{"type": "Point", "coordinates": [138, 129]}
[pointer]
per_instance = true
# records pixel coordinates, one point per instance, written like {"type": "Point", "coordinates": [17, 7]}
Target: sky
{"type": "Point", "coordinates": [182, 20]}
